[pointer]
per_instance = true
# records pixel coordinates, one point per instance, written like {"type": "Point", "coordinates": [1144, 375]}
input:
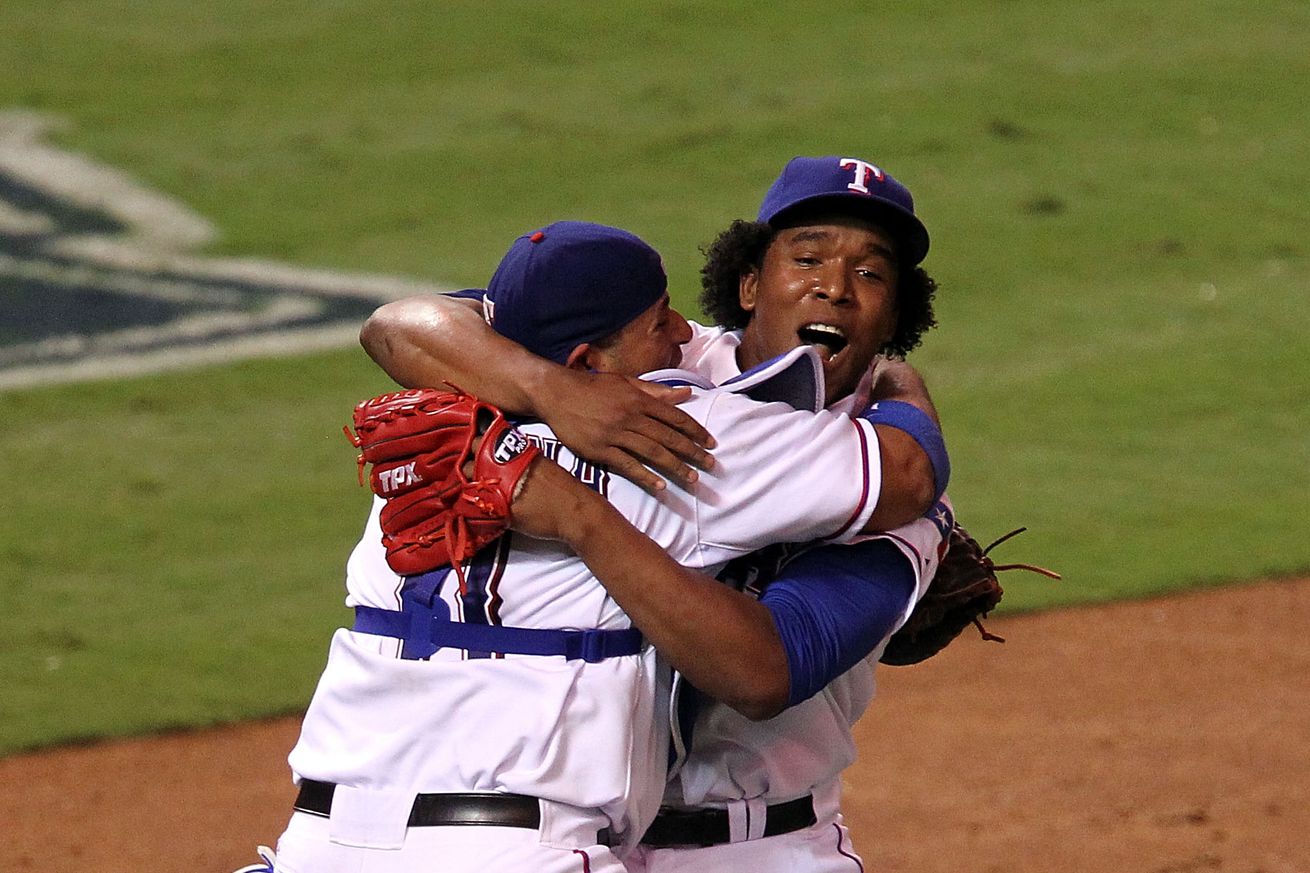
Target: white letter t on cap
{"type": "Point", "coordinates": [863, 170]}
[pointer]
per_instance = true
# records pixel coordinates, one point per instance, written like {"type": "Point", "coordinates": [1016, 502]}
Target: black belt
{"type": "Point", "coordinates": [439, 810]}
{"type": "Point", "coordinates": [709, 827]}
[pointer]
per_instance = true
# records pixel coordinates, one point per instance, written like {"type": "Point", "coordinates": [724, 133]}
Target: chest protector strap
{"type": "Point", "coordinates": [424, 625]}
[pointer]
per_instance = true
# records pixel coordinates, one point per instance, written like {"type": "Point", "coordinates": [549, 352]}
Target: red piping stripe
{"type": "Point", "coordinates": [843, 852]}
{"type": "Point", "coordinates": [864, 496]}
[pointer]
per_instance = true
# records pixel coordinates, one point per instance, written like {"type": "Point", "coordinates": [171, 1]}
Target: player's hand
{"type": "Point", "coordinates": [894, 379]}
{"type": "Point", "coordinates": [626, 424]}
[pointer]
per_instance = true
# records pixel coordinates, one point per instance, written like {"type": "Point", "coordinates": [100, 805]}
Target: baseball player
{"type": "Point", "coordinates": [743, 780]}
{"type": "Point", "coordinates": [740, 776]}
{"type": "Point", "coordinates": [770, 278]}
{"type": "Point", "coordinates": [555, 758]}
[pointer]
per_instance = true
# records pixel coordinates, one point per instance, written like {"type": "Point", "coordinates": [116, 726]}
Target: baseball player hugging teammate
{"type": "Point", "coordinates": [562, 760]}
{"type": "Point", "coordinates": [832, 262]}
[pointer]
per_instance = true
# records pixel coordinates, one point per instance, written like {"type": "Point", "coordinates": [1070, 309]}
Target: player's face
{"type": "Point", "coordinates": [832, 285]}
{"type": "Point", "coordinates": [651, 341]}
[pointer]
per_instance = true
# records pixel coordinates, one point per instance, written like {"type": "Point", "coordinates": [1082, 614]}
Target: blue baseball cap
{"type": "Point", "coordinates": [848, 185]}
{"type": "Point", "coordinates": [572, 282]}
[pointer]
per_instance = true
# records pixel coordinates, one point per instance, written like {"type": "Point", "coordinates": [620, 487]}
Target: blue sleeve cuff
{"type": "Point", "coordinates": [919, 425]}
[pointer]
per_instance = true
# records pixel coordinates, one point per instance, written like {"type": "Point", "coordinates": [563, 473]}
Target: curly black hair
{"type": "Point", "coordinates": [740, 249]}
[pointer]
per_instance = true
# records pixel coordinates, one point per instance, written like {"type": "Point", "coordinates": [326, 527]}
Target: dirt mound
{"type": "Point", "coordinates": [1165, 736]}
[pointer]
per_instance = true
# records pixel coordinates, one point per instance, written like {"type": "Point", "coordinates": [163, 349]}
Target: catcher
{"type": "Point", "coordinates": [801, 643]}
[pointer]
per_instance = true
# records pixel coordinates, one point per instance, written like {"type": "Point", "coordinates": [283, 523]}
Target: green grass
{"type": "Point", "coordinates": [1116, 195]}
{"type": "Point", "coordinates": [174, 551]}
{"type": "Point", "coordinates": [1151, 454]}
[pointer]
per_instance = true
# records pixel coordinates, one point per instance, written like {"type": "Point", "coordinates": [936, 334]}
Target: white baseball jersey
{"type": "Point", "coordinates": [581, 736]}
{"type": "Point", "coordinates": [733, 758]}
{"type": "Point", "coordinates": [742, 765]}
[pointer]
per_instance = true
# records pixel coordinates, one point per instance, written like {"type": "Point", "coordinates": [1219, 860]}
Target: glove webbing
{"type": "Point", "coordinates": [997, 568]}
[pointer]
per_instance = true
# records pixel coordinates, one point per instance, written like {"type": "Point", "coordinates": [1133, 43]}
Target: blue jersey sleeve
{"type": "Point", "coordinates": [834, 604]}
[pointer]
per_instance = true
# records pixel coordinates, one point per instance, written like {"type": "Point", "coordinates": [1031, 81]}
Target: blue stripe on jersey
{"type": "Point", "coordinates": [833, 605]}
{"type": "Point", "coordinates": [480, 601]}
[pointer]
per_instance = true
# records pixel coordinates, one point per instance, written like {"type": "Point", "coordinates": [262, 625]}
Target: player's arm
{"type": "Point", "coordinates": [616, 421]}
{"type": "Point", "coordinates": [792, 476]}
{"type": "Point", "coordinates": [827, 609]}
{"type": "Point", "coordinates": [723, 641]}
{"type": "Point", "coordinates": [834, 605]}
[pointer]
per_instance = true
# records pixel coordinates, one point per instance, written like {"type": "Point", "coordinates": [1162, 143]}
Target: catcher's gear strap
{"type": "Point", "coordinates": [919, 425]}
{"type": "Point", "coordinates": [438, 632]}
{"type": "Point", "coordinates": [832, 605]}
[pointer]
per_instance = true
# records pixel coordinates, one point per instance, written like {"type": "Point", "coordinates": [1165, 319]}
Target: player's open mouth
{"type": "Point", "coordinates": [828, 339]}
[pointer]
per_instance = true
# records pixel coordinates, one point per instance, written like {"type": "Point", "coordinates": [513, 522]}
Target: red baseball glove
{"type": "Point", "coordinates": [448, 465]}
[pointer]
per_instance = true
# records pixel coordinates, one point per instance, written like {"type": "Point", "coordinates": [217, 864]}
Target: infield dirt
{"type": "Point", "coordinates": [1165, 736]}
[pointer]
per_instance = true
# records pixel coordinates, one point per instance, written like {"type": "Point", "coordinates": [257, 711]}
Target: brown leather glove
{"type": "Point", "coordinates": [420, 443]}
{"type": "Point", "coordinates": [961, 593]}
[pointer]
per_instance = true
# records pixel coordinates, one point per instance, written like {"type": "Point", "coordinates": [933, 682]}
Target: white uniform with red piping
{"type": "Point", "coordinates": [587, 739]}
{"type": "Point", "coordinates": [744, 766]}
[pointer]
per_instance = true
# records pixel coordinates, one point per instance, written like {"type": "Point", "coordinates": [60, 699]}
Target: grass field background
{"type": "Point", "coordinates": [1117, 196]}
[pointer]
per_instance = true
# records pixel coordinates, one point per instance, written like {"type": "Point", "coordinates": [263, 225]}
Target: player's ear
{"type": "Point", "coordinates": [581, 357]}
{"type": "Point", "coordinates": [747, 286]}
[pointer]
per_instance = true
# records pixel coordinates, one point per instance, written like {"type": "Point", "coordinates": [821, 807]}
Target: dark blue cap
{"type": "Point", "coordinates": [848, 185]}
{"type": "Point", "coordinates": [572, 282]}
